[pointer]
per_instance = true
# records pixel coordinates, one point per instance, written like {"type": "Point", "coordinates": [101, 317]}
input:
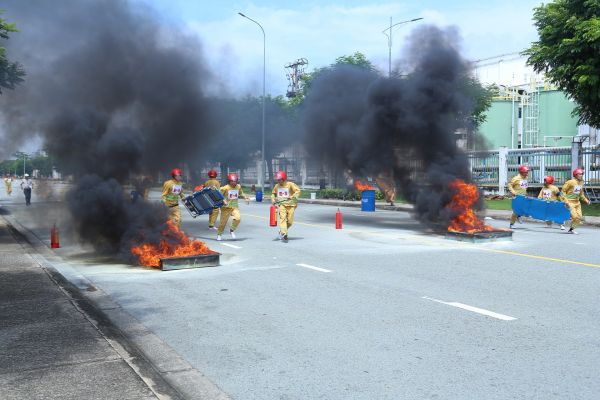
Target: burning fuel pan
{"type": "Point", "coordinates": [480, 237]}
{"type": "Point", "coordinates": [197, 261]}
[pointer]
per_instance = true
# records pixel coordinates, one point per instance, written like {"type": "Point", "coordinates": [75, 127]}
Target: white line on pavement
{"type": "Point", "coordinates": [231, 245]}
{"type": "Point", "coordinates": [311, 267]}
{"type": "Point", "coordinates": [474, 309]}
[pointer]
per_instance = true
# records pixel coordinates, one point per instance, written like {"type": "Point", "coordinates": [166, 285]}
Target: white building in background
{"type": "Point", "coordinates": [505, 69]}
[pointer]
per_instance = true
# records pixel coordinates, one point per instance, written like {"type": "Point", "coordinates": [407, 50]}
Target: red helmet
{"type": "Point", "coordinates": [281, 175]}
{"type": "Point", "coordinates": [176, 172]}
{"type": "Point", "coordinates": [549, 179]}
{"type": "Point", "coordinates": [212, 173]}
{"type": "Point", "coordinates": [577, 171]}
{"type": "Point", "coordinates": [523, 169]}
{"type": "Point", "coordinates": [232, 177]}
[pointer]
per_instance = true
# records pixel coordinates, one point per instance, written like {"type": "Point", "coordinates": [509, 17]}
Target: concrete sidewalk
{"type": "Point", "coordinates": [495, 214]}
{"type": "Point", "coordinates": [54, 344]}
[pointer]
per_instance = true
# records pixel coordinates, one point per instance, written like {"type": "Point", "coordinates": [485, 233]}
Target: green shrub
{"type": "Point", "coordinates": [332, 193]}
{"type": "Point", "coordinates": [379, 195]}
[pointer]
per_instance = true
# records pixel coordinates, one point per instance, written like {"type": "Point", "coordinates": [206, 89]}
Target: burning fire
{"type": "Point", "coordinates": [359, 185]}
{"type": "Point", "coordinates": [149, 254]}
{"type": "Point", "coordinates": [465, 196]}
{"type": "Point", "coordinates": [199, 187]}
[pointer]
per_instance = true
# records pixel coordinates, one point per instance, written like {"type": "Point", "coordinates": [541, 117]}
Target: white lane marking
{"type": "Point", "coordinates": [474, 309]}
{"type": "Point", "coordinates": [312, 267]}
{"type": "Point", "coordinates": [231, 245]}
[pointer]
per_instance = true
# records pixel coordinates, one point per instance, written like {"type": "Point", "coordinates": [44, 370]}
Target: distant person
{"type": "Point", "coordinates": [172, 191]}
{"type": "Point", "coordinates": [518, 186]}
{"type": "Point", "coordinates": [286, 194]}
{"type": "Point", "coordinates": [8, 183]}
{"type": "Point", "coordinates": [212, 181]}
{"type": "Point", "coordinates": [573, 191]}
{"type": "Point", "coordinates": [551, 192]}
{"type": "Point", "coordinates": [386, 186]}
{"type": "Point", "coordinates": [27, 186]}
{"type": "Point", "coordinates": [143, 182]}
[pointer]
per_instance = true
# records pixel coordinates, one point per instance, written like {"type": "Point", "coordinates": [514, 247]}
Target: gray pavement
{"type": "Point", "coordinates": [382, 309]}
{"type": "Point", "coordinates": [54, 344]}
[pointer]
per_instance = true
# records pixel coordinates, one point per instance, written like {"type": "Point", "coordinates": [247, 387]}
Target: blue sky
{"type": "Point", "coordinates": [322, 31]}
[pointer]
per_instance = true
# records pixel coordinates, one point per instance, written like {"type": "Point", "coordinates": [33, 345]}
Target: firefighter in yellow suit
{"type": "Point", "coordinates": [518, 185]}
{"type": "Point", "coordinates": [551, 192]}
{"type": "Point", "coordinates": [172, 191]}
{"type": "Point", "coordinates": [8, 183]}
{"type": "Point", "coordinates": [286, 194]}
{"type": "Point", "coordinates": [232, 191]}
{"type": "Point", "coordinates": [573, 191]}
{"type": "Point", "coordinates": [212, 216]}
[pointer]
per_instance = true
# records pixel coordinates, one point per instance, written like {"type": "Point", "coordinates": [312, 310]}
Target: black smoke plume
{"type": "Point", "coordinates": [358, 121]}
{"type": "Point", "coordinates": [110, 88]}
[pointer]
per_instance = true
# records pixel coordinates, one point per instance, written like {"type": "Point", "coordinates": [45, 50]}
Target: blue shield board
{"type": "Point", "coordinates": [546, 210]}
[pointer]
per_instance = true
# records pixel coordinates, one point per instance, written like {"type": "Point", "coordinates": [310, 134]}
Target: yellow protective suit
{"type": "Point", "coordinates": [212, 216]}
{"type": "Point", "coordinates": [231, 194]}
{"type": "Point", "coordinates": [281, 193]}
{"type": "Point", "coordinates": [573, 191]}
{"type": "Point", "coordinates": [143, 183]}
{"type": "Point", "coordinates": [517, 185]}
{"type": "Point", "coordinates": [172, 191]}
{"type": "Point", "coordinates": [8, 183]}
{"type": "Point", "coordinates": [551, 193]}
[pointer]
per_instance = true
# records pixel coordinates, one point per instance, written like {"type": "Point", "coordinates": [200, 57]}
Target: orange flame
{"type": "Point", "coordinates": [149, 254]}
{"type": "Point", "coordinates": [359, 185]}
{"type": "Point", "coordinates": [465, 196]}
{"type": "Point", "coordinates": [199, 187]}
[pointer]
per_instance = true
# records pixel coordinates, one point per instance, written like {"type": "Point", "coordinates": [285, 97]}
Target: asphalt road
{"type": "Point", "coordinates": [382, 309]}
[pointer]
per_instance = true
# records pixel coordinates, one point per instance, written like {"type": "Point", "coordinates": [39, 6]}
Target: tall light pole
{"type": "Point", "coordinates": [263, 165]}
{"type": "Point", "coordinates": [391, 35]}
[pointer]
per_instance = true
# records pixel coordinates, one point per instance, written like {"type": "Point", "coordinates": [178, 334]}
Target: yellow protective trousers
{"type": "Point", "coordinates": [175, 214]}
{"type": "Point", "coordinates": [212, 217]}
{"type": "Point", "coordinates": [8, 190]}
{"type": "Point", "coordinates": [286, 216]}
{"type": "Point", "coordinates": [513, 217]}
{"type": "Point", "coordinates": [575, 213]}
{"type": "Point", "coordinates": [234, 212]}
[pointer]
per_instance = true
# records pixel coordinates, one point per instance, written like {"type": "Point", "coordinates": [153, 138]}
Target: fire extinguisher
{"type": "Point", "coordinates": [273, 221]}
{"type": "Point", "coordinates": [54, 242]}
{"type": "Point", "coordinates": [338, 219]}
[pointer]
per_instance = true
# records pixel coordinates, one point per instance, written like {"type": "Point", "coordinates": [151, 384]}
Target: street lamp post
{"type": "Point", "coordinates": [391, 35]}
{"type": "Point", "coordinates": [263, 166]}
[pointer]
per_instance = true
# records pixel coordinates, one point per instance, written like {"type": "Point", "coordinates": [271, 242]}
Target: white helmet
{"type": "Point", "coordinates": [27, 175]}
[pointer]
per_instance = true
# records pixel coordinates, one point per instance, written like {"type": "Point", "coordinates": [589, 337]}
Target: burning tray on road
{"type": "Point", "coordinates": [481, 237]}
{"type": "Point", "coordinates": [197, 261]}
{"type": "Point", "coordinates": [203, 201]}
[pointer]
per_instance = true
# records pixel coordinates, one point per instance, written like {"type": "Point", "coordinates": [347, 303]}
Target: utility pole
{"type": "Point", "coordinates": [391, 35]}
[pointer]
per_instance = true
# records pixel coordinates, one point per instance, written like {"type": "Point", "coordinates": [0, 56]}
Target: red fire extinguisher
{"type": "Point", "coordinates": [273, 215]}
{"type": "Point", "coordinates": [54, 242]}
{"type": "Point", "coordinates": [338, 219]}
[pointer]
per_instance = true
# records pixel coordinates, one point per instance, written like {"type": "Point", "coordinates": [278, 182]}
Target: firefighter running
{"type": "Point", "coordinates": [212, 216]}
{"type": "Point", "coordinates": [8, 184]}
{"type": "Point", "coordinates": [551, 192]}
{"type": "Point", "coordinates": [143, 182]}
{"type": "Point", "coordinates": [286, 194]}
{"type": "Point", "coordinates": [573, 191]}
{"type": "Point", "coordinates": [518, 185]}
{"type": "Point", "coordinates": [232, 191]}
{"type": "Point", "coordinates": [172, 190]}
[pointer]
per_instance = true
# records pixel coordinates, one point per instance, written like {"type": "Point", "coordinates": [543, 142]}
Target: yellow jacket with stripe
{"type": "Point", "coordinates": [172, 190]}
{"type": "Point", "coordinates": [573, 191]}
{"type": "Point", "coordinates": [293, 191]}
{"type": "Point", "coordinates": [551, 193]}
{"type": "Point", "coordinates": [514, 185]}
{"type": "Point", "coordinates": [212, 182]}
{"type": "Point", "coordinates": [232, 194]}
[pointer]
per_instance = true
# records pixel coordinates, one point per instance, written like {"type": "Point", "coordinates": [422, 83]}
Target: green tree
{"type": "Point", "coordinates": [11, 73]}
{"type": "Point", "coordinates": [357, 60]}
{"type": "Point", "coordinates": [567, 51]}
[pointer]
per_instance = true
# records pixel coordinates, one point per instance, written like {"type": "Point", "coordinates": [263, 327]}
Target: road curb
{"type": "Point", "coordinates": [588, 221]}
{"type": "Point", "coordinates": [167, 374]}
